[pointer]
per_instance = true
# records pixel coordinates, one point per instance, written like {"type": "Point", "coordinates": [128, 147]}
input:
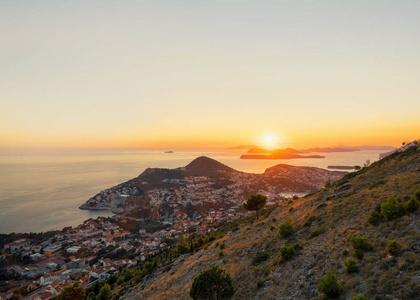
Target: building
{"type": "Point", "coordinates": [18, 245]}
{"type": "Point", "coordinates": [52, 250]}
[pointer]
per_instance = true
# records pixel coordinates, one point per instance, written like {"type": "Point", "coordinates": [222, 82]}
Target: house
{"type": "Point", "coordinates": [52, 250]}
{"type": "Point", "coordinates": [18, 245]}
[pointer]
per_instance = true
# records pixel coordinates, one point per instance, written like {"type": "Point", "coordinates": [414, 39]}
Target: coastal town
{"type": "Point", "coordinates": [90, 252]}
{"type": "Point", "coordinates": [171, 208]}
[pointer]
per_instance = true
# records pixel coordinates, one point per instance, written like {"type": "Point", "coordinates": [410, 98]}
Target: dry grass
{"type": "Point", "coordinates": [342, 211]}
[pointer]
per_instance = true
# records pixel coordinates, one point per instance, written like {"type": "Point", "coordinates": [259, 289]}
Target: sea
{"type": "Point", "coordinates": [42, 188]}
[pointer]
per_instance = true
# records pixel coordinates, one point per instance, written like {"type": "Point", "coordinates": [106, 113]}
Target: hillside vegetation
{"type": "Point", "coordinates": [330, 231]}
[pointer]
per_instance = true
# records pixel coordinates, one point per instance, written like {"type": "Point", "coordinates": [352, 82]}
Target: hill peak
{"type": "Point", "coordinates": [204, 165]}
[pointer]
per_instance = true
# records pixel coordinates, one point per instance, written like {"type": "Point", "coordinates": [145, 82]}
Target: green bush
{"type": "Point", "coordinates": [213, 283]}
{"type": "Point", "coordinates": [221, 254]}
{"type": "Point", "coordinates": [315, 233]}
{"type": "Point", "coordinates": [273, 220]}
{"type": "Point", "coordinates": [272, 227]}
{"type": "Point", "coordinates": [374, 217]}
{"type": "Point", "coordinates": [392, 209]}
{"type": "Point", "coordinates": [360, 245]}
{"type": "Point", "coordinates": [360, 297]}
{"type": "Point", "coordinates": [222, 246]}
{"type": "Point", "coordinates": [412, 205]}
{"type": "Point", "coordinates": [287, 252]}
{"type": "Point", "coordinates": [351, 265]}
{"type": "Point", "coordinates": [259, 258]}
{"type": "Point", "coordinates": [292, 209]}
{"type": "Point", "coordinates": [328, 183]}
{"type": "Point", "coordinates": [393, 247]}
{"type": "Point", "coordinates": [330, 286]}
{"type": "Point", "coordinates": [286, 228]}
{"type": "Point", "coordinates": [417, 194]}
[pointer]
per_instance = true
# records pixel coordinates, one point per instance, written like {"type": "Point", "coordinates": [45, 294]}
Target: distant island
{"type": "Point", "coordinates": [279, 156]}
{"type": "Point", "coordinates": [290, 153]}
{"type": "Point", "coordinates": [170, 151]}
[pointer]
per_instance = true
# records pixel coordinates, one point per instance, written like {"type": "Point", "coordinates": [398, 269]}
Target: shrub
{"type": "Point", "coordinates": [315, 233]}
{"type": "Point", "coordinates": [260, 284]}
{"type": "Point", "coordinates": [213, 283]}
{"type": "Point", "coordinates": [221, 254]}
{"type": "Point", "coordinates": [287, 252]}
{"type": "Point", "coordinates": [374, 217]}
{"type": "Point", "coordinates": [259, 258]}
{"type": "Point", "coordinates": [345, 252]}
{"type": "Point", "coordinates": [222, 246]}
{"type": "Point", "coordinates": [272, 227]}
{"type": "Point", "coordinates": [328, 184]}
{"type": "Point", "coordinates": [412, 205]}
{"type": "Point", "coordinates": [292, 209]}
{"type": "Point", "coordinates": [417, 194]}
{"type": "Point", "coordinates": [360, 297]}
{"type": "Point", "coordinates": [351, 265]}
{"type": "Point", "coordinates": [360, 245]}
{"type": "Point", "coordinates": [393, 247]}
{"type": "Point", "coordinates": [273, 220]}
{"type": "Point", "coordinates": [286, 228]}
{"type": "Point", "coordinates": [392, 209]}
{"type": "Point", "coordinates": [329, 285]}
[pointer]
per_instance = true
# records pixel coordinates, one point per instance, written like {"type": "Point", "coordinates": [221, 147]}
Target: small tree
{"type": "Point", "coordinates": [330, 286]}
{"type": "Point", "coordinates": [412, 205]}
{"type": "Point", "coordinates": [360, 245]}
{"type": "Point", "coordinates": [351, 265]}
{"type": "Point", "coordinates": [287, 252]}
{"type": "Point", "coordinates": [392, 209]}
{"type": "Point", "coordinates": [374, 217]}
{"type": "Point", "coordinates": [104, 293]}
{"type": "Point", "coordinates": [393, 247]}
{"type": "Point", "coordinates": [213, 283]}
{"type": "Point", "coordinates": [72, 292]}
{"type": "Point", "coordinates": [328, 183]}
{"type": "Point", "coordinates": [286, 228]}
{"type": "Point", "coordinates": [255, 202]}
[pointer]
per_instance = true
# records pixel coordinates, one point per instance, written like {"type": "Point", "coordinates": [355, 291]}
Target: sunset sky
{"type": "Point", "coordinates": [209, 73]}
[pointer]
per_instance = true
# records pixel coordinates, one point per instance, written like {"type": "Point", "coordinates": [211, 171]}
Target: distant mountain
{"type": "Point", "coordinates": [241, 147]}
{"type": "Point", "coordinates": [290, 153]}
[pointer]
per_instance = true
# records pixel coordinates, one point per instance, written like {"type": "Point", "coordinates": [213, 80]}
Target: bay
{"type": "Point", "coordinates": [42, 188]}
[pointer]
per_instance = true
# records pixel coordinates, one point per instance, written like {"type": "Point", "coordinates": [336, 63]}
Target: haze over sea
{"type": "Point", "coordinates": [42, 188]}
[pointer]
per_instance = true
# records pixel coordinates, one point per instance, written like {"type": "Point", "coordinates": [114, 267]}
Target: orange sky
{"type": "Point", "coordinates": [209, 74]}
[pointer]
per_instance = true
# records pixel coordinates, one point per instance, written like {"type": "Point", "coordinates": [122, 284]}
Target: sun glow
{"type": "Point", "coordinates": [269, 141]}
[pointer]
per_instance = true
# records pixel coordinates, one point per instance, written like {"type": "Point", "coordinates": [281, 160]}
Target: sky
{"type": "Point", "coordinates": [214, 73]}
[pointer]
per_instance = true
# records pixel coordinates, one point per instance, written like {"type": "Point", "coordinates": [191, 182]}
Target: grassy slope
{"type": "Point", "coordinates": [342, 210]}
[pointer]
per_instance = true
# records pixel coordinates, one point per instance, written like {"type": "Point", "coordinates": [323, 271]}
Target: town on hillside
{"type": "Point", "coordinates": [171, 208]}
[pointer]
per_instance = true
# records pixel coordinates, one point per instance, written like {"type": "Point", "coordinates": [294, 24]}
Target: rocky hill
{"type": "Point", "coordinates": [204, 180]}
{"type": "Point", "coordinates": [324, 224]}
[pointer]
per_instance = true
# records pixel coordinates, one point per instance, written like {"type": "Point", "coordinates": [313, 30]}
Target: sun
{"type": "Point", "coordinates": [269, 141]}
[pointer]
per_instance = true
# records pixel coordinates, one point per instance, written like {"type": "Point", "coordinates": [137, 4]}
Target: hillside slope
{"type": "Point", "coordinates": [341, 211]}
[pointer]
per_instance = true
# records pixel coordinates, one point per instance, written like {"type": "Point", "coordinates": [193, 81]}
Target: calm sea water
{"type": "Point", "coordinates": [42, 188]}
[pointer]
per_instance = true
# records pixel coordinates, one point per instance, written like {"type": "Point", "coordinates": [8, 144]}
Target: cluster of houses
{"type": "Point", "coordinates": [71, 255]}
